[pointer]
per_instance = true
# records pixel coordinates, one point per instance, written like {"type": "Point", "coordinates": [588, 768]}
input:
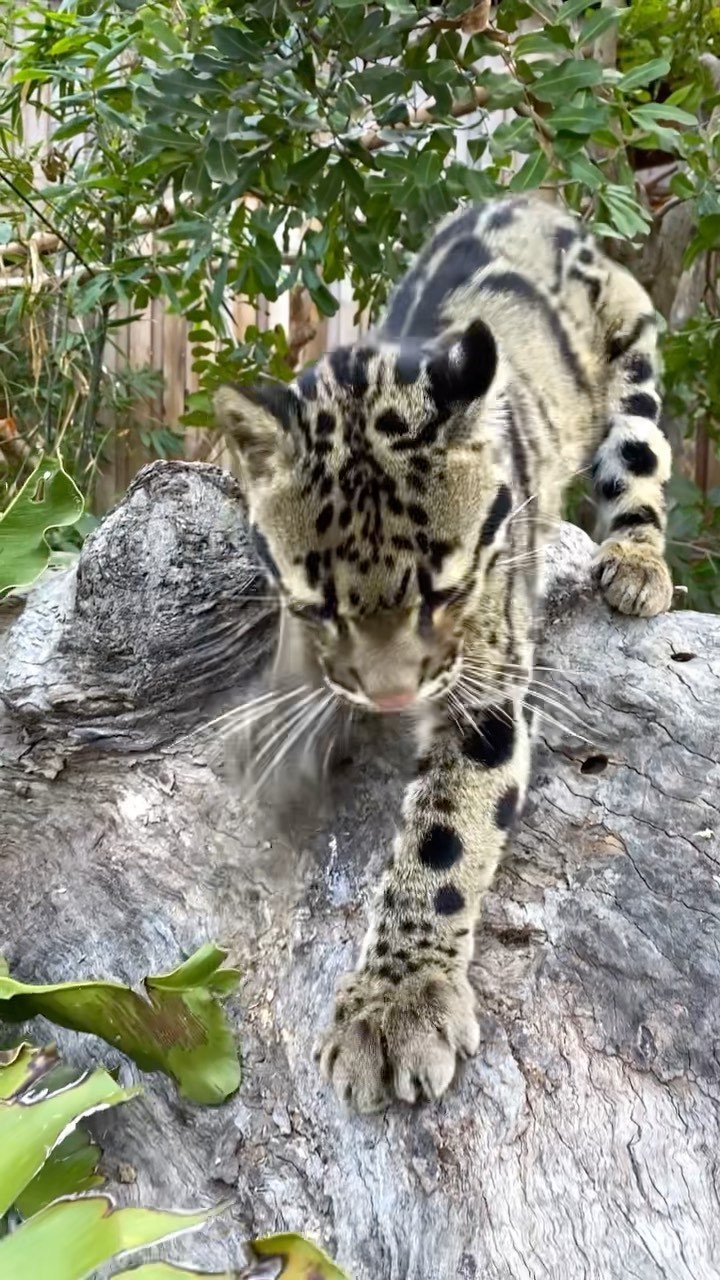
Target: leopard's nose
{"type": "Point", "coordinates": [397, 700]}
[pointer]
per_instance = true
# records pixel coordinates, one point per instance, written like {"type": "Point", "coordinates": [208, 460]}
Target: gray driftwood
{"type": "Point", "coordinates": [583, 1140]}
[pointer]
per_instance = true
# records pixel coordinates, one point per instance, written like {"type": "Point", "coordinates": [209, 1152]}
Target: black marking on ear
{"type": "Point", "coordinates": [499, 216]}
{"type": "Point", "coordinates": [441, 848]}
{"type": "Point", "coordinates": [307, 384]}
{"type": "Point", "coordinates": [463, 259]}
{"type": "Point", "coordinates": [633, 519]}
{"type": "Point", "coordinates": [500, 509]}
{"type": "Point", "coordinates": [639, 458]}
{"type": "Point", "coordinates": [391, 423]}
{"type": "Point", "coordinates": [638, 368]}
{"type": "Point", "coordinates": [448, 900]}
{"type": "Point", "coordinates": [325, 518]}
{"type": "Point", "coordinates": [641, 405]}
{"type": "Point", "coordinates": [312, 568]}
{"type": "Point", "coordinates": [507, 807]}
{"type": "Point", "coordinates": [491, 743]}
{"type": "Point", "coordinates": [349, 366]}
{"type": "Point", "coordinates": [620, 344]}
{"type": "Point", "coordinates": [611, 489]}
{"type": "Point", "coordinates": [407, 367]}
{"type": "Point", "coordinates": [264, 553]}
{"type": "Point", "coordinates": [465, 371]}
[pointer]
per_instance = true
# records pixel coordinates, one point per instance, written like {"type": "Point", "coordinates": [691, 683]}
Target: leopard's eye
{"type": "Point", "coordinates": [316, 614]}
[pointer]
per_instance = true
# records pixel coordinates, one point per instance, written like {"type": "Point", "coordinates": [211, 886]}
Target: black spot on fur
{"type": "Point", "coordinates": [325, 423]}
{"type": "Point", "coordinates": [391, 423]}
{"type": "Point", "coordinates": [312, 568]}
{"type": "Point", "coordinates": [491, 743]}
{"type": "Point", "coordinates": [326, 487]}
{"type": "Point", "coordinates": [638, 368]}
{"type": "Point", "coordinates": [633, 519]}
{"type": "Point", "coordinates": [639, 458]}
{"type": "Point", "coordinates": [422, 543]}
{"type": "Point", "coordinates": [345, 517]}
{"type": "Point", "coordinates": [381, 948]}
{"type": "Point", "coordinates": [325, 518]}
{"type": "Point", "coordinates": [389, 900]}
{"type": "Point", "coordinates": [641, 405]}
{"type": "Point", "coordinates": [441, 848]}
{"type": "Point", "coordinates": [448, 900]}
{"type": "Point", "coordinates": [500, 509]}
{"type": "Point", "coordinates": [354, 599]}
{"type": "Point", "coordinates": [438, 552]}
{"type": "Point", "coordinates": [507, 808]}
{"type": "Point", "coordinates": [586, 255]}
{"type": "Point", "coordinates": [407, 926]}
{"type": "Point", "coordinates": [564, 237]}
{"type": "Point", "coordinates": [401, 542]}
{"type": "Point", "coordinates": [417, 514]}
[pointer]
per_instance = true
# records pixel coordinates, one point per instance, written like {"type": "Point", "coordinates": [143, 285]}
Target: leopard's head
{"type": "Point", "coordinates": [376, 487]}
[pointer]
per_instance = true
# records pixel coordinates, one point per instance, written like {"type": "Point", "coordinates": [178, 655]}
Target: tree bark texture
{"type": "Point", "coordinates": [582, 1142]}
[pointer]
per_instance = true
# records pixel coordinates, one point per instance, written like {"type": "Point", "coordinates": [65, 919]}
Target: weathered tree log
{"type": "Point", "coordinates": [583, 1139]}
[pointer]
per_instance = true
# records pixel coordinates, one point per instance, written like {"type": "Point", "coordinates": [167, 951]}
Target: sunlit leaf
{"type": "Point", "coordinates": [71, 1238]}
{"type": "Point", "coordinates": [35, 1120]}
{"type": "Point", "coordinates": [176, 1026]}
{"type": "Point", "coordinates": [49, 499]}
{"type": "Point", "coordinates": [300, 1259]}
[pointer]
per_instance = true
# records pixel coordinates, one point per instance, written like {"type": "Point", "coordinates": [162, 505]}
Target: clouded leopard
{"type": "Point", "coordinates": [400, 491]}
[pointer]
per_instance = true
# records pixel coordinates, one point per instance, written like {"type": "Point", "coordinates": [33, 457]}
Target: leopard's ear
{"type": "Point", "coordinates": [264, 422]}
{"type": "Point", "coordinates": [464, 370]}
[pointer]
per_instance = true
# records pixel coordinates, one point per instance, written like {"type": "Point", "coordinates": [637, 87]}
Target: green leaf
{"type": "Point", "coordinates": [597, 24]}
{"type": "Point", "coordinates": [33, 1122]}
{"type": "Point", "coordinates": [300, 1259]}
{"type": "Point", "coordinates": [69, 1170]}
{"type": "Point", "coordinates": [580, 117]}
{"type": "Point", "coordinates": [70, 1239]}
{"type": "Point", "coordinates": [177, 1027]}
{"type": "Point", "coordinates": [646, 74]}
{"type": "Point", "coordinates": [49, 499]}
{"type": "Point", "coordinates": [559, 83]}
{"type": "Point", "coordinates": [533, 172]}
{"type": "Point", "coordinates": [427, 169]}
{"type": "Point", "coordinates": [221, 160]}
{"type": "Point", "coordinates": [174, 1271]}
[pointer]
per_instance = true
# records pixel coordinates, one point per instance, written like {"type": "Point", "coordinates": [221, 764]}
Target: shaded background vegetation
{"type": "Point", "coordinates": [198, 153]}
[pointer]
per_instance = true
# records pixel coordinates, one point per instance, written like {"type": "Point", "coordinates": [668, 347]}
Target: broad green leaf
{"type": "Point", "coordinates": [33, 1122]}
{"type": "Point", "coordinates": [533, 172]}
{"type": "Point", "coordinates": [644, 75]}
{"type": "Point", "coordinates": [598, 23]}
{"type": "Point", "coordinates": [300, 1259]}
{"type": "Point", "coordinates": [70, 1169]}
{"type": "Point", "coordinates": [176, 1026]}
{"type": "Point", "coordinates": [70, 1239]}
{"type": "Point", "coordinates": [559, 83]}
{"type": "Point", "coordinates": [49, 499]}
{"type": "Point", "coordinates": [581, 117]}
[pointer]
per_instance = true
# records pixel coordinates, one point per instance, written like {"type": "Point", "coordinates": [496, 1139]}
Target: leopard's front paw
{"type": "Point", "coordinates": [399, 1040]}
{"type": "Point", "coordinates": [633, 578]}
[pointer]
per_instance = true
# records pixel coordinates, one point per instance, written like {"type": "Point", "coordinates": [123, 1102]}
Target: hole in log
{"type": "Point", "coordinates": [682, 657]}
{"type": "Point", "coordinates": [594, 764]}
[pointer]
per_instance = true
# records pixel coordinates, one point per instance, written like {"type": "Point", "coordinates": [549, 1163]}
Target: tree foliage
{"type": "Point", "coordinates": [276, 145]}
